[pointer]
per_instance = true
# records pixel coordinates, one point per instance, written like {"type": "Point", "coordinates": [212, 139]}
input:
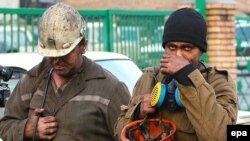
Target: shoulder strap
{"type": "Point", "coordinates": [206, 69]}
{"type": "Point", "coordinates": [156, 72]}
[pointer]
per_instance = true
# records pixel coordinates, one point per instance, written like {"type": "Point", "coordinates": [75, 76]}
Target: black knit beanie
{"type": "Point", "coordinates": [186, 25]}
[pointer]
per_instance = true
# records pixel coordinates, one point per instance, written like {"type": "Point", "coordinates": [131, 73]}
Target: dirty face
{"type": "Point", "coordinates": [185, 50]}
{"type": "Point", "coordinates": [66, 66]}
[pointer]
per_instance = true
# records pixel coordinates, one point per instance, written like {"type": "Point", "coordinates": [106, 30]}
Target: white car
{"type": "Point", "coordinates": [120, 65]}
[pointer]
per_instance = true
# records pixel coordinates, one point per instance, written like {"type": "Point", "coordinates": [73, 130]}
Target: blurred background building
{"type": "Point", "coordinates": [242, 5]}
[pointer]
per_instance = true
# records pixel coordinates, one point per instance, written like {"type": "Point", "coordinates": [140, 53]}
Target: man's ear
{"type": "Point", "coordinates": [201, 53]}
{"type": "Point", "coordinates": [85, 43]}
{"type": "Point", "coordinates": [84, 46]}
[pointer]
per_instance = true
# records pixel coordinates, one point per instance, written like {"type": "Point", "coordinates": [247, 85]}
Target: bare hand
{"type": "Point", "coordinates": [145, 107]}
{"type": "Point", "coordinates": [171, 63]}
{"type": "Point", "coordinates": [46, 126]}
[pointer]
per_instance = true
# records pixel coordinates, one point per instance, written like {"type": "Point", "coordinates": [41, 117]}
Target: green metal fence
{"type": "Point", "coordinates": [18, 29]}
{"type": "Point", "coordinates": [243, 61]}
{"type": "Point", "coordinates": [136, 34]}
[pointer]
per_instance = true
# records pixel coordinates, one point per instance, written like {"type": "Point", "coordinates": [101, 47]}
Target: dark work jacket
{"type": "Point", "coordinates": [210, 105]}
{"type": "Point", "coordinates": [86, 109]}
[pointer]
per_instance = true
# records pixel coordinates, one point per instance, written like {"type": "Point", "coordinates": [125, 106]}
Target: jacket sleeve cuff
{"type": "Point", "coordinates": [21, 130]}
{"type": "Point", "coordinates": [136, 115]}
{"type": "Point", "coordinates": [182, 75]}
{"type": "Point", "coordinates": [134, 110]}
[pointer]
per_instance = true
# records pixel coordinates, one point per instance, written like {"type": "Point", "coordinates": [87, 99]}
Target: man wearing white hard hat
{"type": "Point", "coordinates": [66, 97]}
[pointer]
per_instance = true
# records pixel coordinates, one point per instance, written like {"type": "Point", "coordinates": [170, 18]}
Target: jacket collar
{"type": "Point", "coordinates": [91, 70]}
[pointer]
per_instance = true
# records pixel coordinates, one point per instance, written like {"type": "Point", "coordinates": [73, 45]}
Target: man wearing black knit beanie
{"type": "Point", "coordinates": [200, 100]}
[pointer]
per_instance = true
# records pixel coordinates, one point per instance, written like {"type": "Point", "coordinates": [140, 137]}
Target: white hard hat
{"type": "Point", "coordinates": [60, 31]}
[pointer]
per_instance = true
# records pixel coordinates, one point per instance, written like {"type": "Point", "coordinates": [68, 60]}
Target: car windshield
{"type": "Point", "coordinates": [125, 70]}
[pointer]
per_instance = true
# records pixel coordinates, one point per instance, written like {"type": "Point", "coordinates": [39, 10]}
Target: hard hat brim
{"type": "Point", "coordinates": [57, 52]}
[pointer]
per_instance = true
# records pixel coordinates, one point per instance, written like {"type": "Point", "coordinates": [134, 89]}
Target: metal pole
{"type": "Point", "coordinates": [200, 5]}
